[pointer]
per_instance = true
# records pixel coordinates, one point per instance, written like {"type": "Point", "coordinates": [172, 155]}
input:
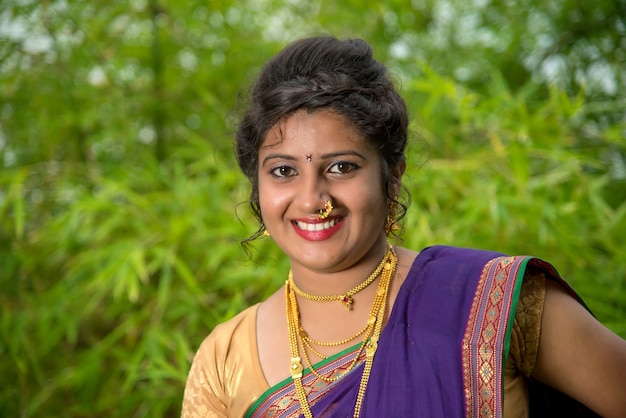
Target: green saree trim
{"type": "Point", "coordinates": [346, 355]}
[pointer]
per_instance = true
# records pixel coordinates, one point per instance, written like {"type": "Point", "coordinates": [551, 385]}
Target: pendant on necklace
{"type": "Point", "coordinates": [371, 346]}
{"type": "Point", "coordinates": [347, 302]}
{"type": "Point", "coordinates": [296, 368]}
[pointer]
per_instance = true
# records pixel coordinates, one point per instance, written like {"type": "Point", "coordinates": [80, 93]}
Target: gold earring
{"type": "Point", "coordinates": [390, 223]}
{"type": "Point", "coordinates": [266, 233]}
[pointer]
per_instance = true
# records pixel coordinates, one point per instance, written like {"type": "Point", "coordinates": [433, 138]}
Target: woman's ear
{"type": "Point", "coordinates": [395, 182]}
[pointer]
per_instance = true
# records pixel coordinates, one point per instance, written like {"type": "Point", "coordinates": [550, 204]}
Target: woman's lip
{"type": "Point", "coordinates": [317, 230]}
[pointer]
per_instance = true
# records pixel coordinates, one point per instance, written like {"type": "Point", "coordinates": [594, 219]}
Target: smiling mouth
{"type": "Point", "coordinates": [318, 226]}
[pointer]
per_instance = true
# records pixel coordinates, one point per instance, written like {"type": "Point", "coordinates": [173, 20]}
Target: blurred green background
{"type": "Point", "coordinates": [121, 208]}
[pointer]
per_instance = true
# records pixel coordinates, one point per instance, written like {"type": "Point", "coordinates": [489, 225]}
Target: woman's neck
{"type": "Point", "coordinates": [329, 283]}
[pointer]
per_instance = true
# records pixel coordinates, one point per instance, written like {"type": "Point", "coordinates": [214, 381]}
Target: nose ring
{"type": "Point", "coordinates": [328, 208]}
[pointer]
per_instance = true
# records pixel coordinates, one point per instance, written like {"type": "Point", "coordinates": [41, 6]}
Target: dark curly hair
{"type": "Point", "coordinates": [325, 73]}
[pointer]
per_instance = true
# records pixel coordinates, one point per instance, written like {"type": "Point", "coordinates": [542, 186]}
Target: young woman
{"type": "Point", "coordinates": [365, 328]}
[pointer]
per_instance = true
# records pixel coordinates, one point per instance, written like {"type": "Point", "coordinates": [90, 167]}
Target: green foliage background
{"type": "Point", "coordinates": [121, 209]}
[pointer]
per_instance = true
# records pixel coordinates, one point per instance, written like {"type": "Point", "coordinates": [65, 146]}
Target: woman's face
{"type": "Point", "coordinates": [305, 160]}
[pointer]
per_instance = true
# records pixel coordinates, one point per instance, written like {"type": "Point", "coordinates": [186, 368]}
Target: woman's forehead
{"type": "Point", "coordinates": [322, 129]}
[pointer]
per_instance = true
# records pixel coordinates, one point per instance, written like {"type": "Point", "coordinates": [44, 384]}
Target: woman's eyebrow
{"type": "Point", "coordinates": [277, 157]}
{"type": "Point", "coordinates": [330, 155]}
{"type": "Point", "coordinates": [343, 153]}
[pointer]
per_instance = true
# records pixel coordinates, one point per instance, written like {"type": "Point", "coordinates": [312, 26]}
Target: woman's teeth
{"type": "Point", "coordinates": [316, 226]}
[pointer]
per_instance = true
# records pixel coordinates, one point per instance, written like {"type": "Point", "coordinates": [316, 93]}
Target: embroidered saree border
{"type": "Point", "coordinates": [487, 334]}
{"type": "Point", "coordinates": [281, 399]}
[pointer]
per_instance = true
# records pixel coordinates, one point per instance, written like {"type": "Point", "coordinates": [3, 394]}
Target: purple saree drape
{"type": "Point", "coordinates": [418, 367]}
{"type": "Point", "coordinates": [442, 352]}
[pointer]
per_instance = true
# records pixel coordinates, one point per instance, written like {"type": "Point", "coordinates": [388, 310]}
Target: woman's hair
{"type": "Point", "coordinates": [325, 73]}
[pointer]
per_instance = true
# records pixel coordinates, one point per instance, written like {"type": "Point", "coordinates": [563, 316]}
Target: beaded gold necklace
{"type": "Point", "coordinates": [346, 298]}
{"type": "Point", "coordinates": [310, 342]}
{"type": "Point", "coordinates": [370, 341]}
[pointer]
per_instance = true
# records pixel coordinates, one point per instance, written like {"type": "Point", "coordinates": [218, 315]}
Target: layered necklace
{"type": "Point", "coordinates": [346, 298]}
{"type": "Point", "coordinates": [299, 339]}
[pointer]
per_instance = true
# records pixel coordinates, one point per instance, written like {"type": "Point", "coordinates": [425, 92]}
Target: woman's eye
{"type": "Point", "coordinates": [342, 167]}
{"type": "Point", "coordinates": [283, 171]}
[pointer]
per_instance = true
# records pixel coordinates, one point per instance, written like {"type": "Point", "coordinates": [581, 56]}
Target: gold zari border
{"type": "Point", "coordinates": [485, 335]}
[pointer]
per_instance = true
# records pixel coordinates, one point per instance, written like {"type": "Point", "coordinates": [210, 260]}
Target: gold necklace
{"type": "Point", "coordinates": [310, 342]}
{"type": "Point", "coordinates": [346, 298]}
{"type": "Point", "coordinates": [370, 341]}
{"type": "Point", "coordinates": [293, 319]}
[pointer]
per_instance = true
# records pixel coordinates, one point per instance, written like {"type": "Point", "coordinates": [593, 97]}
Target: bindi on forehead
{"type": "Point", "coordinates": [312, 136]}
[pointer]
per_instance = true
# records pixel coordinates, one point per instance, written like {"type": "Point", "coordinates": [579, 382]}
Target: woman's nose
{"type": "Point", "coordinates": [314, 194]}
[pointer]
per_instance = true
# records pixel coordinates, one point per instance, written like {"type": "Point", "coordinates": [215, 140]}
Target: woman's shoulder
{"type": "Point", "coordinates": [239, 327]}
{"type": "Point", "coordinates": [458, 252]}
{"type": "Point", "coordinates": [225, 377]}
{"type": "Point", "coordinates": [435, 257]}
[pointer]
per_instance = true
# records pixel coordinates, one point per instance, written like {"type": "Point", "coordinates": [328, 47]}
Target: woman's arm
{"type": "Point", "coordinates": [200, 400]}
{"type": "Point", "coordinates": [579, 356]}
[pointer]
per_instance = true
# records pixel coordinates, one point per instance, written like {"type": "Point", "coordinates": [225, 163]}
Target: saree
{"type": "Point", "coordinates": [443, 350]}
